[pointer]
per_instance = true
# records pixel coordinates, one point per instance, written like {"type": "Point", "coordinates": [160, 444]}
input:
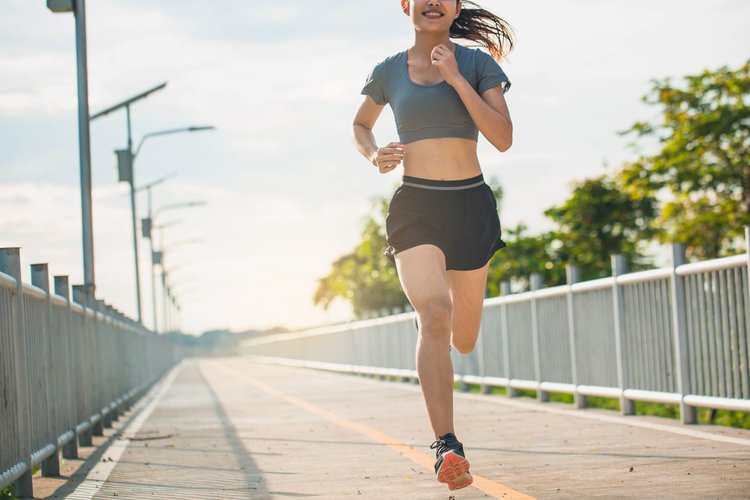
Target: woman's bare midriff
{"type": "Point", "coordinates": [445, 159]}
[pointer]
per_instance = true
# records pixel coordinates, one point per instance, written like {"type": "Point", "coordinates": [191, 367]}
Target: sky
{"type": "Point", "coordinates": [285, 191]}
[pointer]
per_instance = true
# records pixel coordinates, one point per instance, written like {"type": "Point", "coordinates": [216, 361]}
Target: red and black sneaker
{"type": "Point", "coordinates": [451, 467]}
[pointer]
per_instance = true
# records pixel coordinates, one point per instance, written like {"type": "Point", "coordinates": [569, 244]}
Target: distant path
{"type": "Point", "coordinates": [228, 428]}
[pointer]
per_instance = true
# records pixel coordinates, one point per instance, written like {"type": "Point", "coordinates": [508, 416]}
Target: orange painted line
{"type": "Point", "coordinates": [484, 484]}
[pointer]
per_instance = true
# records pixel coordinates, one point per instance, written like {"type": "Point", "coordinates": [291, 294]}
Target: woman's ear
{"type": "Point", "coordinates": [405, 6]}
{"type": "Point", "coordinates": [458, 9]}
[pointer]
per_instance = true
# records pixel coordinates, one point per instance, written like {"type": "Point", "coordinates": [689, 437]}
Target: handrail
{"type": "Point", "coordinates": [657, 335]}
{"type": "Point", "coordinates": [86, 363]}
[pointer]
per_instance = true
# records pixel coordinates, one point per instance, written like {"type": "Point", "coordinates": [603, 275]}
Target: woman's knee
{"type": "Point", "coordinates": [435, 315]}
{"type": "Point", "coordinates": [464, 344]}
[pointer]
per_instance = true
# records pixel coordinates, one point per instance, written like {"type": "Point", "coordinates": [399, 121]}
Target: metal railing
{"type": "Point", "coordinates": [68, 369]}
{"type": "Point", "coordinates": [673, 335]}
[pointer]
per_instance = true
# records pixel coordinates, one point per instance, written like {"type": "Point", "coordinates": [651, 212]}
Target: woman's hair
{"type": "Point", "coordinates": [482, 26]}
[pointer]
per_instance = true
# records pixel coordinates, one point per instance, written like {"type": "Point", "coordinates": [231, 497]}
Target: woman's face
{"type": "Point", "coordinates": [431, 15]}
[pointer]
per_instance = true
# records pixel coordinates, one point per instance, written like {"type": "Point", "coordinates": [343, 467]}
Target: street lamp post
{"type": "Point", "coordinates": [146, 232]}
{"type": "Point", "coordinates": [157, 257]}
{"type": "Point", "coordinates": [84, 140]}
{"type": "Point", "coordinates": [126, 169]}
{"type": "Point", "coordinates": [131, 156]}
{"type": "Point", "coordinates": [157, 260]}
{"type": "Point", "coordinates": [125, 165]}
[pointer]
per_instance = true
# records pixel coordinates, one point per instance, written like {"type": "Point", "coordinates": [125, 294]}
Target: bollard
{"type": "Point", "coordinates": [572, 276]}
{"type": "Point", "coordinates": [40, 279]}
{"type": "Point", "coordinates": [70, 449]}
{"type": "Point", "coordinates": [10, 264]}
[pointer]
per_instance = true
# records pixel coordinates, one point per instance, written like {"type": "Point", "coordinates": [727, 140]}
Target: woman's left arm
{"type": "Point", "coordinates": [489, 111]}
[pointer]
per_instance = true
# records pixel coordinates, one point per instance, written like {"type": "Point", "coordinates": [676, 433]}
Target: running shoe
{"type": "Point", "coordinates": [451, 467]}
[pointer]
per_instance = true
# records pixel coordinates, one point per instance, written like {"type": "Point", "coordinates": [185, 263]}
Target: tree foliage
{"type": "Point", "coordinates": [702, 166]}
{"type": "Point", "coordinates": [694, 187]}
{"type": "Point", "coordinates": [524, 255]}
{"type": "Point", "coordinates": [365, 277]}
{"type": "Point", "coordinates": [602, 218]}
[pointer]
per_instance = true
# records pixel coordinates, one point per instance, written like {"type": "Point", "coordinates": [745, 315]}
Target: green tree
{"type": "Point", "coordinates": [702, 167]}
{"type": "Point", "coordinates": [601, 218]}
{"type": "Point", "coordinates": [365, 277]}
{"type": "Point", "coordinates": [524, 255]}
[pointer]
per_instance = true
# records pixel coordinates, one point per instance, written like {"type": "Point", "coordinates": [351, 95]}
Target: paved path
{"type": "Point", "coordinates": [231, 429]}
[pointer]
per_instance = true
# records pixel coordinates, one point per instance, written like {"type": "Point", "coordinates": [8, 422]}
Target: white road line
{"type": "Point", "coordinates": [101, 471]}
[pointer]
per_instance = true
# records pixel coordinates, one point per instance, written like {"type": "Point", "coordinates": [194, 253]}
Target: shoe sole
{"type": "Point", "coordinates": [462, 482]}
{"type": "Point", "coordinates": [454, 471]}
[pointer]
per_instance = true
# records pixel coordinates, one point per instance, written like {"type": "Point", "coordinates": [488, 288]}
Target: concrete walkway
{"type": "Point", "coordinates": [231, 429]}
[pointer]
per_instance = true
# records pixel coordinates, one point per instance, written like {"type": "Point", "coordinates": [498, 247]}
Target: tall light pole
{"type": "Point", "coordinates": [125, 164]}
{"type": "Point", "coordinates": [157, 257]}
{"type": "Point", "coordinates": [129, 157]}
{"type": "Point", "coordinates": [146, 230]}
{"type": "Point", "coordinates": [193, 128]}
{"type": "Point", "coordinates": [84, 138]}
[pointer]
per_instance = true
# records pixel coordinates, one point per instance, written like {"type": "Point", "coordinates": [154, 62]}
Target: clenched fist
{"type": "Point", "coordinates": [389, 157]}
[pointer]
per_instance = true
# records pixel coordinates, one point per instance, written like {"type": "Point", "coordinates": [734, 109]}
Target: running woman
{"type": "Point", "coordinates": [442, 225]}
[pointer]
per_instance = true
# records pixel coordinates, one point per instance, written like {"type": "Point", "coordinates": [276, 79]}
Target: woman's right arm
{"type": "Point", "coordinates": [386, 158]}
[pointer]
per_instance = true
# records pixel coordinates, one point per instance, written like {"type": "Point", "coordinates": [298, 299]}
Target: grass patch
{"type": "Point", "coordinates": [657, 409]}
{"type": "Point", "coordinates": [603, 403]}
{"type": "Point", "coordinates": [726, 418]}
{"type": "Point", "coordinates": [526, 393]}
{"type": "Point", "coordinates": [7, 493]}
{"type": "Point", "coordinates": [499, 391]}
{"type": "Point", "coordinates": [561, 397]}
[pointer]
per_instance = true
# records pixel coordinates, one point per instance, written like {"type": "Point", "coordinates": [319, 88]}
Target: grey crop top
{"type": "Point", "coordinates": [430, 111]}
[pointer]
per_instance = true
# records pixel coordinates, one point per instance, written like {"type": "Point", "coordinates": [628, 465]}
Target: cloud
{"type": "Point", "coordinates": [285, 189]}
{"type": "Point", "coordinates": [257, 254]}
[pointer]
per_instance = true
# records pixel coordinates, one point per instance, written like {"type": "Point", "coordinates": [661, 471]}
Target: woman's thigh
{"type": "Point", "coordinates": [467, 290]}
{"type": "Point", "coordinates": [421, 270]}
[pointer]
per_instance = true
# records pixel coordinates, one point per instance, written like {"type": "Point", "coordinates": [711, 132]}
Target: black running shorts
{"type": "Point", "coordinates": [459, 217]}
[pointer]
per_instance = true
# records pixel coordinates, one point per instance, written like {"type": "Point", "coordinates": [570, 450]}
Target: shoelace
{"type": "Point", "coordinates": [441, 446]}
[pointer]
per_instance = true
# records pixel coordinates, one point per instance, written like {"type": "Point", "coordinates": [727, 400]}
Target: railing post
{"type": "Point", "coordinates": [40, 279]}
{"type": "Point", "coordinates": [115, 380]}
{"type": "Point", "coordinates": [505, 291]}
{"type": "Point", "coordinates": [687, 413]}
{"type": "Point", "coordinates": [83, 413]}
{"type": "Point", "coordinates": [10, 264]}
{"type": "Point", "coordinates": [536, 283]}
{"type": "Point", "coordinates": [619, 267]}
{"type": "Point", "coordinates": [62, 288]}
{"type": "Point", "coordinates": [105, 364]}
{"type": "Point", "coordinates": [97, 428]}
{"type": "Point", "coordinates": [483, 387]}
{"type": "Point", "coordinates": [572, 276]}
